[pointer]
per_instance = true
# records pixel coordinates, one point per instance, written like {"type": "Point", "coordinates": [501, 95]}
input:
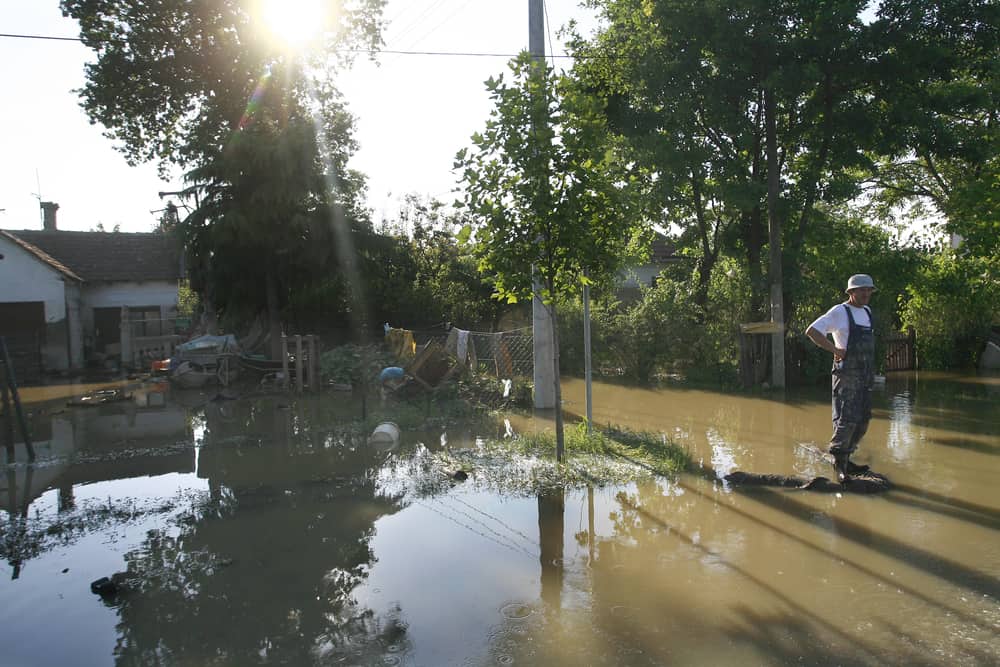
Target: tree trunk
{"type": "Point", "coordinates": [707, 262]}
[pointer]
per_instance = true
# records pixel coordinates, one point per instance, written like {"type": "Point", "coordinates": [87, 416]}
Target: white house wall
{"type": "Point", "coordinates": [25, 278]}
{"type": "Point", "coordinates": [640, 275]}
{"type": "Point", "coordinates": [115, 295]}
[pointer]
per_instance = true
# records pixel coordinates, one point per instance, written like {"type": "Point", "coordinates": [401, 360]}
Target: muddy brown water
{"type": "Point", "coordinates": [265, 531]}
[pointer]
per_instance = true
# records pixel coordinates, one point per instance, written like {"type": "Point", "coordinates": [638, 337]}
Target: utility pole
{"type": "Point", "coordinates": [774, 242]}
{"type": "Point", "coordinates": [543, 344]}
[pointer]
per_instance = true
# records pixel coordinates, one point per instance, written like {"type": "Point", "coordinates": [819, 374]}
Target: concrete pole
{"type": "Point", "coordinates": [543, 348]}
{"type": "Point", "coordinates": [774, 243]}
{"type": "Point", "coordinates": [587, 370]}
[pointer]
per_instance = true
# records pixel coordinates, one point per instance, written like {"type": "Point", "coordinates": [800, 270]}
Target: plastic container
{"type": "Point", "coordinates": [386, 433]}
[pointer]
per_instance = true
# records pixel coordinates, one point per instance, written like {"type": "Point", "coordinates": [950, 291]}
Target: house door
{"type": "Point", "coordinates": [107, 327]}
{"type": "Point", "coordinates": [23, 327]}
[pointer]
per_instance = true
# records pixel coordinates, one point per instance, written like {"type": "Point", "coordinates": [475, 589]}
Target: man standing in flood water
{"type": "Point", "coordinates": [853, 349]}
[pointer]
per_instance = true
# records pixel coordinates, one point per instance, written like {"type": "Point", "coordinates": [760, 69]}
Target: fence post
{"type": "Point", "coordinates": [284, 361]}
{"type": "Point", "coordinates": [313, 363]}
{"type": "Point", "coordinates": [298, 363]}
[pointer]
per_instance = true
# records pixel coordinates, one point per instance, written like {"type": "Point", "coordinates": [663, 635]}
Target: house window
{"type": "Point", "coordinates": [145, 321]}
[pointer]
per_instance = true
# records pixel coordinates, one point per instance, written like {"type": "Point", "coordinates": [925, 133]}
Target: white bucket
{"type": "Point", "coordinates": [386, 433]}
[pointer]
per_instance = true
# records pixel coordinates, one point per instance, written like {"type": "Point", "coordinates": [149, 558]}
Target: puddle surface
{"type": "Point", "coordinates": [268, 531]}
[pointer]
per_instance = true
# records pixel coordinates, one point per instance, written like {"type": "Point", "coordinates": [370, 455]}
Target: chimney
{"type": "Point", "coordinates": [49, 209]}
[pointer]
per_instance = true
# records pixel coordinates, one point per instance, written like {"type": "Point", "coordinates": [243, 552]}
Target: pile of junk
{"type": "Point", "coordinates": [201, 361]}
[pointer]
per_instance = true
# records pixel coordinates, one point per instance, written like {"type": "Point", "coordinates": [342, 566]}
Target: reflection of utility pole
{"type": "Point", "coordinates": [551, 530]}
{"type": "Point", "coordinates": [590, 523]}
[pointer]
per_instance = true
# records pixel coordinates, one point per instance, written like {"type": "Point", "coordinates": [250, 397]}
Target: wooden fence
{"type": "Point", "coordinates": [900, 352]}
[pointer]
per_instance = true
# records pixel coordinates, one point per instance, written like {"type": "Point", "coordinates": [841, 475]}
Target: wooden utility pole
{"type": "Point", "coordinates": [774, 243]}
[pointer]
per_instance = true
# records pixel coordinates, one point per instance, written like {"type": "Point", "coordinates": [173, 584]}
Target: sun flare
{"type": "Point", "coordinates": [294, 23]}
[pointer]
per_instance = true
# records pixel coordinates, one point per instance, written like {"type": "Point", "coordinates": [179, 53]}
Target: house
{"type": "Point", "coordinates": [662, 254]}
{"type": "Point", "coordinates": [70, 298]}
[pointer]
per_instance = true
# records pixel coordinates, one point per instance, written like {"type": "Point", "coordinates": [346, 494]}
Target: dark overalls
{"type": "Point", "coordinates": [852, 388]}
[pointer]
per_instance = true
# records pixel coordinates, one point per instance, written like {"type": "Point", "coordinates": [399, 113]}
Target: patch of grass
{"type": "Point", "coordinates": [645, 449]}
{"type": "Point", "coordinates": [526, 463]}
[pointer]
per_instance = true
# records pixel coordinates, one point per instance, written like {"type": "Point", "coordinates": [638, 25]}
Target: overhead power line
{"type": "Point", "coordinates": [359, 51]}
{"type": "Point", "coordinates": [50, 37]}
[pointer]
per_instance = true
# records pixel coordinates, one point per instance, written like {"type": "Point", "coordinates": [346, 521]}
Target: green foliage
{"type": "Point", "coordinates": [951, 305]}
{"type": "Point", "coordinates": [426, 275]}
{"type": "Point", "coordinates": [843, 245]}
{"type": "Point", "coordinates": [686, 83]}
{"type": "Point", "coordinates": [938, 92]}
{"type": "Point", "coordinates": [187, 300]}
{"type": "Point", "coordinates": [354, 364]}
{"type": "Point", "coordinates": [545, 187]}
{"type": "Point", "coordinates": [664, 329]}
{"type": "Point", "coordinates": [548, 194]}
{"type": "Point", "coordinates": [262, 136]}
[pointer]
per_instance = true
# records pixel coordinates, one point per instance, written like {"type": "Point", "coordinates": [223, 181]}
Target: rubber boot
{"type": "Point", "coordinates": [856, 469]}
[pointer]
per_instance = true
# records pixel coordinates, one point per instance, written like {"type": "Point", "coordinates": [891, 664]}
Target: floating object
{"type": "Point", "coordinates": [386, 433]}
{"type": "Point", "coordinates": [190, 375]}
{"type": "Point", "coordinates": [99, 397]}
{"type": "Point", "coordinates": [104, 587]}
{"type": "Point", "coordinates": [866, 483]}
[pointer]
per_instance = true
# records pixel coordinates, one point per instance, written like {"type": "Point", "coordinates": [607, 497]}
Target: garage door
{"type": "Point", "coordinates": [22, 325]}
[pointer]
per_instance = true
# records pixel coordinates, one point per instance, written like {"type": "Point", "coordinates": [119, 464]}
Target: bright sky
{"type": "Point", "coordinates": [414, 112]}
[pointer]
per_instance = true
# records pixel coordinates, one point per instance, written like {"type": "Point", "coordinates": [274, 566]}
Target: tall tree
{"type": "Point", "coordinates": [259, 130]}
{"type": "Point", "coordinates": [939, 97]}
{"type": "Point", "coordinates": [687, 82]}
{"type": "Point", "coordinates": [546, 187]}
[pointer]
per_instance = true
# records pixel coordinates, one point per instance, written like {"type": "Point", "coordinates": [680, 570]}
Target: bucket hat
{"type": "Point", "coordinates": [860, 280]}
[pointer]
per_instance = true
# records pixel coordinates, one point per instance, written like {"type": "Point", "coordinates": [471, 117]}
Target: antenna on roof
{"type": "Point", "coordinates": [38, 196]}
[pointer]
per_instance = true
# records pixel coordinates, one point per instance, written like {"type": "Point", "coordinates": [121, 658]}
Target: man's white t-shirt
{"type": "Point", "coordinates": [834, 321]}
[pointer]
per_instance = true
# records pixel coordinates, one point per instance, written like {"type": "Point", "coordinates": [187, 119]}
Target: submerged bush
{"type": "Point", "coordinates": [351, 364]}
{"type": "Point", "coordinates": [951, 307]}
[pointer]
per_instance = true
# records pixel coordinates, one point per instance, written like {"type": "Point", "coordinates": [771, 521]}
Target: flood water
{"type": "Point", "coordinates": [265, 531]}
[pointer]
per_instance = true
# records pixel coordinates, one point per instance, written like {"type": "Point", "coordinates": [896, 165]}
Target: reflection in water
{"type": "Point", "coordinates": [269, 531]}
{"type": "Point", "coordinates": [551, 531]}
{"type": "Point", "coordinates": [901, 441]}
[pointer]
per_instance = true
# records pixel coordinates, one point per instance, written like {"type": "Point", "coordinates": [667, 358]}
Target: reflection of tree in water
{"type": "Point", "coordinates": [264, 570]}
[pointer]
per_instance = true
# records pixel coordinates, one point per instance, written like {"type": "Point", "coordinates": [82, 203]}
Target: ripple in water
{"type": "Point", "coordinates": [505, 660]}
{"type": "Point", "coordinates": [516, 610]}
{"type": "Point", "coordinates": [621, 611]}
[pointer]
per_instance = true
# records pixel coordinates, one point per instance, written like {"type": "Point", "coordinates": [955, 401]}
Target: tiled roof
{"type": "Point", "coordinates": [109, 256]}
{"type": "Point", "coordinates": [40, 254]}
{"type": "Point", "coordinates": [662, 250]}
